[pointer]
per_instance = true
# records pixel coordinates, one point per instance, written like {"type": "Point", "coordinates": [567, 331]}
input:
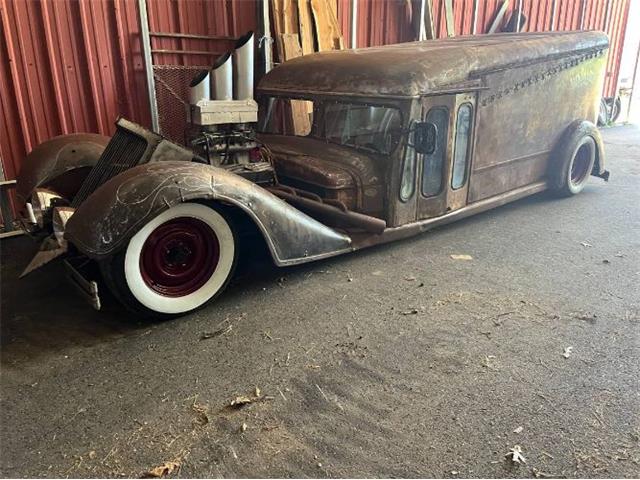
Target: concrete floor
{"type": "Point", "coordinates": [396, 361]}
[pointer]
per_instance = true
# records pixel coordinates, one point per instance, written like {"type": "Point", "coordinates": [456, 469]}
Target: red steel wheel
{"type": "Point", "coordinates": [179, 256]}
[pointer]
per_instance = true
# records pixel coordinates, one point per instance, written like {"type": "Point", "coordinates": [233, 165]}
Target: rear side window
{"type": "Point", "coordinates": [461, 146]}
{"type": "Point", "coordinates": [433, 164]}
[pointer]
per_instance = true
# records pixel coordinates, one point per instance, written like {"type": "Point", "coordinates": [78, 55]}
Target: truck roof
{"type": "Point", "coordinates": [418, 68]}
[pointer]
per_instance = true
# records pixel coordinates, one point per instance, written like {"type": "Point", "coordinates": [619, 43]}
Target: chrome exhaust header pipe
{"type": "Point", "coordinates": [222, 77]}
{"type": "Point", "coordinates": [199, 88]}
{"type": "Point", "coordinates": [243, 63]}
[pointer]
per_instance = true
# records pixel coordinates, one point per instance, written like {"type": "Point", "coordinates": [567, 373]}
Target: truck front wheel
{"type": "Point", "coordinates": [176, 263]}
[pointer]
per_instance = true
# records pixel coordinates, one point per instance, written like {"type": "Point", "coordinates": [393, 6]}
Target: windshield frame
{"type": "Point", "coordinates": [319, 103]}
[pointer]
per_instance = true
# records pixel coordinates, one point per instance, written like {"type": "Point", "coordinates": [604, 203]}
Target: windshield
{"type": "Point", "coordinates": [370, 127]}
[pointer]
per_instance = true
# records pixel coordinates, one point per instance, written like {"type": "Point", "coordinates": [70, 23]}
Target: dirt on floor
{"type": "Point", "coordinates": [521, 359]}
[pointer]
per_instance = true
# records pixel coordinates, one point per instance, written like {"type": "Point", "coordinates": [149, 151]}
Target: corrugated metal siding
{"type": "Point", "coordinates": [71, 66]}
{"type": "Point", "coordinates": [75, 66]}
{"type": "Point", "coordinates": [227, 19]}
{"type": "Point", "coordinates": [67, 67]}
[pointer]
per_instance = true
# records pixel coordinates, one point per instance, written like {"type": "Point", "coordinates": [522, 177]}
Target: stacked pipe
{"type": "Point", "coordinates": [230, 78]}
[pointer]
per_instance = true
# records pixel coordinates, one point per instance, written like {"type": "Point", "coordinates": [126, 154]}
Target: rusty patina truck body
{"type": "Point", "coordinates": [383, 143]}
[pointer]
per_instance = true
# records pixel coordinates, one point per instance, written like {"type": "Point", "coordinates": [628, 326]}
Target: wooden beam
{"type": "Point", "coordinates": [326, 25]}
{"type": "Point", "coordinates": [448, 12]}
{"type": "Point", "coordinates": [305, 26]}
{"type": "Point", "coordinates": [429, 29]}
{"type": "Point", "coordinates": [278, 27]}
{"type": "Point", "coordinates": [499, 16]}
{"type": "Point", "coordinates": [289, 17]}
{"type": "Point", "coordinates": [299, 112]}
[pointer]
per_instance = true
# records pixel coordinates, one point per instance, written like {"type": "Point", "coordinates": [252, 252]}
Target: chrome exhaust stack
{"type": "Point", "coordinates": [243, 63]}
{"type": "Point", "coordinates": [223, 126]}
{"type": "Point", "coordinates": [199, 88]}
{"type": "Point", "coordinates": [222, 77]}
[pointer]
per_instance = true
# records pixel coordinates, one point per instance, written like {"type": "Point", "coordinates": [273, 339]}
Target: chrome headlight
{"type": "Point", "coordinates": [41, 203]}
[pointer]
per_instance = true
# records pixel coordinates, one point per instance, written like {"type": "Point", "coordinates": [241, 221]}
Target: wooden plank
{"type": "Point", "coordinates": [448, 13]}
{"type": "Point", "coordinates": [12, 233]}
{"type": "Point", "coordinates": [291, 45]}
{"type": "Point", "coordinates": [289, 16]}
{"type": "Point", "coordinates": [299, 113]}
{"type": "Point", "coordinates": [278, 27]}
{"type": "Point", "coordinates": [429, 30]}
{"type": "Point", "coordinates": [276, 16]}
{"type": "Point", "coordinates": [499, 16]}
{"type": "Point", "coordinates": [326, 26]}
{"type": "Point", "coordinates": [305, 25]}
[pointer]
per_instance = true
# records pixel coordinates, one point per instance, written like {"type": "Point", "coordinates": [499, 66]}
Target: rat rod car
{"type": "Point", "coordinates": [354, 148]}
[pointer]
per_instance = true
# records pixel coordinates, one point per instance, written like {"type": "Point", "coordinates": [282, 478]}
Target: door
{"type": "Point", "coordinates": [443, 175]}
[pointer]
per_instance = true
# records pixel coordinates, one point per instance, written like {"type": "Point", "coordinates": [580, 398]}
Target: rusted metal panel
{"type": "Point", "coordinates": [443, 65]}
{"type": "Point", "coordinates": [123, 205]}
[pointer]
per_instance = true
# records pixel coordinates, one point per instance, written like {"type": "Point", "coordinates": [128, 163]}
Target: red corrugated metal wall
{"type": "Point", "coordinates": [66, 66]}
{"type": "Point", "coordinates": [75, 65]}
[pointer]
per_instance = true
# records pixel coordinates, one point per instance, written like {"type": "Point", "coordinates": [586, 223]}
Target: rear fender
{"type": "Point", "coordinates": [103, 224]}
{"type": "Point", "coordinates": [59, 163]}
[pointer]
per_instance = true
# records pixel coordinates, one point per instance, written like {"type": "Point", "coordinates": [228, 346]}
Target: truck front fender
{"type": "Point", "coordinates": [117, 210]}
{"type": "Point", "coordinates": [70, 156]}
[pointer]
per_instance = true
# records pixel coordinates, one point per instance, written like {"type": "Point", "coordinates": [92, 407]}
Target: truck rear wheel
{"type": "Point", "coordinates": [574, 161]}
{"type": "Point", "coordinates": [176, 263]}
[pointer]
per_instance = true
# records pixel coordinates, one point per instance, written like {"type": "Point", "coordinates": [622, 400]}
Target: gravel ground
{"type": "Point", "coordinates": [395, 361]}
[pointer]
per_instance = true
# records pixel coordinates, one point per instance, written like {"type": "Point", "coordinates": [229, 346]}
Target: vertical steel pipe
{"type": "Point", "coordinates": [148, 65]}
{"type": "Point", "coordinates": [243, 67]}
{"type": "Point", "coordinates": [222, 77]}
{"type": "Point", "coordinates": [354, 23]}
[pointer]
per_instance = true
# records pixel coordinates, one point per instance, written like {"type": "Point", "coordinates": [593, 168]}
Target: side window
{"type": "Point", "coordinates": [461, 146]}
{"type": "Point", "coordinates": [408, 168]}
{"type": "Point", "coordinates": [433, 164]}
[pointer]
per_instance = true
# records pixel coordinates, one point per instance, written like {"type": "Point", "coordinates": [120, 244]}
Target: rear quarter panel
{"type": "Point", "coordinates": [522, 115]}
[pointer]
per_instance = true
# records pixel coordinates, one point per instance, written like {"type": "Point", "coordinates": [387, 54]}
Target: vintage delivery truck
{"type": "Point", "coordinates": [354, 148]}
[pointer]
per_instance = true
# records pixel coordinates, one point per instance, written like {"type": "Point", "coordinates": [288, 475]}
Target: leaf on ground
{"type": "Point", "coordinates": [461, 257]}
{"type": "Point", "coordinates": [201, 412]}
{"type": "Point", "coordinates": [567, 352]}
{"type": "Point", "coordinates": [163, 470]}
{"type": "Point", "coordinates": [217, 333]}
{"type": "Point", "coordinates": [515, 453]}
{"type": "Point", "coordinates": [243, 400]}
{"type": "Point", "coordinates": [539, 474]}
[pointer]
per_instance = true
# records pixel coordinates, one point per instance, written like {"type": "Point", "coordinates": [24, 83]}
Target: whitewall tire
{"type": "Point", "coordinates": [176, 263]}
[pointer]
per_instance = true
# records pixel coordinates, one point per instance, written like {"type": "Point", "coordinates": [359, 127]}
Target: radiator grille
{"type": "Point", "coordinates": [124, 150]}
